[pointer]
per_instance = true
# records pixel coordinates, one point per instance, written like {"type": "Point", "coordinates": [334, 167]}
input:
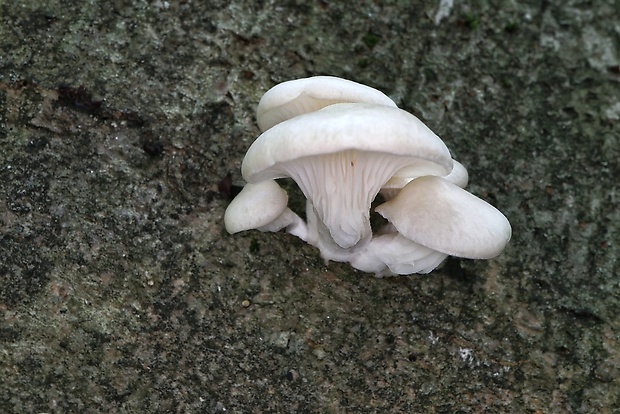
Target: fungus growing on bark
{"type": "Point", "coordinates": [343, 143]}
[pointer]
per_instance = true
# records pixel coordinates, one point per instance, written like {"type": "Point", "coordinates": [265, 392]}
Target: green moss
{"type": "Point", "coordinates": [370, 40]}
{"type": "Point", "coordinates": [254, 246]}
{"type": "Point", "coordinates": [470, 21]}
{"type": "Point", "coordinates": [511, 27]}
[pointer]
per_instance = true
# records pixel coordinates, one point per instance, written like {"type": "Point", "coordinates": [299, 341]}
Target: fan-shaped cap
{"type": "Point", "coordinates": [289, 99]}
{"type": "Point", "coordinates": [438, 214]}
{"type": "Point", "coordinates": [257, 205]}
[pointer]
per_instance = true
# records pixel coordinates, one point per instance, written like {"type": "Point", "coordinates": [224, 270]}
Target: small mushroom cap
{"type": "Point", "coordinates": [420, 168]}
{"type": "Point", "coordinates": [257, 205]}
{"type": "Point", "coordinates": [340, 127]}
{"type": "Point", "coordinates": [289, 99]}
{"type": "Point", "coordinates": [439, 214]}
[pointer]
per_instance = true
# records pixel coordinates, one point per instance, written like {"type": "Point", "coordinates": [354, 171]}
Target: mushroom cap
{"type": "Point", "coordinates": [289, 99]}
{"type": "Point", "coordinates": [257, 205]}
{"type": "Point", "coordinates": [441, 215]}
{"type": "Point", "coordinates": [340, 127]}
{"type": "Point", "coordinates": [340, 156]}
{"type": "Point", "coordinates": [420, 168]}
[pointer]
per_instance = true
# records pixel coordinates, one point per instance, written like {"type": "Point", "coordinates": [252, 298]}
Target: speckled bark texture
{"type": "Point", "coordinates": [120, 291]}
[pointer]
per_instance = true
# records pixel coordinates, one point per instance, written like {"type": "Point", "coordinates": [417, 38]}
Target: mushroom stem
{"type": "Point", "coordinates": [289, 220]}
{"type": "Point", "coordinates": [341, 187]}
{"type": "Point", "coordinates": [296, 227]}
{"type": "Point", "coordinates": [320, 236]}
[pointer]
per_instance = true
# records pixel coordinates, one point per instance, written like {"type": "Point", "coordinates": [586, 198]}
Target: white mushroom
{"type": "Point", "coordinates": [289, 99]}
{"type": "Point", "coordinates": [340, 156]}
{"type": "Point", "coordinates": [343, 143]}
{"type": "Point", "coordinates": [440, 215]}
{"type": "Point", "coordinates": [263, 206]}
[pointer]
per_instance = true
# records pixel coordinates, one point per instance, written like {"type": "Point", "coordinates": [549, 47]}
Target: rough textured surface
{"type": "Point", "coordinates": [121, 292]}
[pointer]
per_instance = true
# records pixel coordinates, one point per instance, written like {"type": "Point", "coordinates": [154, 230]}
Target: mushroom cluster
{"type": "Point", "coordinates": [344, 143]}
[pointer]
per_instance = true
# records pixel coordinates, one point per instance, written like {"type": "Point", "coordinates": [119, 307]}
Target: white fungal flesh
{"type": "Point", "coordinates": [392, 254]}
{"type": "Point", "coordinates": [289, 220]}
{"type": "Point", "coordinates": [458, 175]}
{"type": "Point", "coordinates": [257, 205]}
{"type": "Point", "coordinates": [436, 213]}
{"type": "Point", "coordinates": [341, 187]}
{"type": "Point", "coordinates": [421, 168]}
{"type": "Point", "coordinates": [301, 104]}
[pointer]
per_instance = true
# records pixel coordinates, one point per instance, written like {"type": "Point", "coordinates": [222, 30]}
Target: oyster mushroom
{"type": "Point", "coordinates": [442, 216]}
{"type": "Point", "coordinates": [430, 219]}
{"type": "Point", "coordinates": [343, 143]}
{"type": "Point", "coordinates": [340, 156]}
{"type": "Point", "coordinates": [263, 206]}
